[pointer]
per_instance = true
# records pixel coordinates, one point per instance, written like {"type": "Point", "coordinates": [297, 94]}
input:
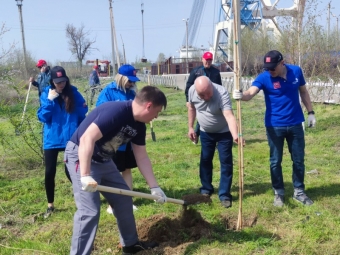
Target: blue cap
{"type": "Point", "coordinates": [129, 71]}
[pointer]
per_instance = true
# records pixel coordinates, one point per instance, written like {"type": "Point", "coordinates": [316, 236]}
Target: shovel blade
{"type": "Point", "coordinates": [153, 135]}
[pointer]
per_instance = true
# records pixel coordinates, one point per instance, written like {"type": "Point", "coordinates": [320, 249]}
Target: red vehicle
{"type": "Point", "coordinates": [104, 67]}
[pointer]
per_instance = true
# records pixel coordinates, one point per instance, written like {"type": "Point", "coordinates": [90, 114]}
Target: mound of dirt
{"type": "Point", "coordinates": [173, 234]}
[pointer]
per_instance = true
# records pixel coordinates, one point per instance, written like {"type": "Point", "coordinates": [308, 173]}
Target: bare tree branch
{"type": "Point", "coordinates": [4, 51]}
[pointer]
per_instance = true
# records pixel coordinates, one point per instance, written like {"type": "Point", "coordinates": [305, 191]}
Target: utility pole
{"type": "Point", "coordinates": [328, 24]}
{"type": "Point", "coordinates": [123, 50]}
{"type": "Point", "coordinates": [112, 41]}
{"type": "Point", "coordinates": [115, 52]}
{"type": "Point", "coordinates": [186, 35]}
{"type": "Point", "coordinates": [19, 4]}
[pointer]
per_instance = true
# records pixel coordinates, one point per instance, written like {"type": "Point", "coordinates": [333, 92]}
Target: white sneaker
{"type": "Point", "coordinates": [109, 210]}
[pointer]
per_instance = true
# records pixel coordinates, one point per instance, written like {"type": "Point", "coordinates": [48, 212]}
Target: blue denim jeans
{"type": "Point", "coordinates": [294, 135]}
{"type": "Point", "coordinates": [224, 143]}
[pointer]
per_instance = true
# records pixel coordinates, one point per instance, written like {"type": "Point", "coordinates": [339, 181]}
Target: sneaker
{"type": "Point", "coordinates": [48, 212]}
{"type": "Point", "coordinates": [139, 246]}
{"type": "Point", "coordinates": [226, 203]}
{"type": "Point", "coordinates": [303, 199]}
{"type": "Point", "coordinates": [109, 209]}
{"type": "Point", "coordinates": [278, 200]}
{"type": "Point", "coordinates": [206, 194]}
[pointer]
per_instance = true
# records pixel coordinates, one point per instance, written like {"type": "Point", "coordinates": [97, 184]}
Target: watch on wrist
{"type": "Point", "coordinates": [311, 112]}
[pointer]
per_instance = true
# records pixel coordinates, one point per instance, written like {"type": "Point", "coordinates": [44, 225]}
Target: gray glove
{"type": "Point", "coordinates": [159, 192]}
{"type": "Point", "coordinates": [237, 94]}
{"type": "Point", "coordinates": [311, 120]}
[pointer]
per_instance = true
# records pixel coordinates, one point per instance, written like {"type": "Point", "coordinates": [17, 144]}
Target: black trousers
{"type": "Point", "coordinates": [51, 157]}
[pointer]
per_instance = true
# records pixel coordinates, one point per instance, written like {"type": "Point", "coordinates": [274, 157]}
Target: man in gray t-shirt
{"type": "Point", "coordinates": [211, 104]}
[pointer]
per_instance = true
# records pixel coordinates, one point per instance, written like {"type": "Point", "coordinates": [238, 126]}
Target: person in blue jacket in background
{"type": "Point", "coordinates": [94, 81]}
{"type": "Point", "coordinates": [122, 89]}
{"type": "Point", "coordinates": [62, 109]}
{"type": "Point", "coordinates": [44, 77]}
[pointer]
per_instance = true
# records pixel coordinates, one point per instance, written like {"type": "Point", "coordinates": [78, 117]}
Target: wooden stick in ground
{"type": "Point", "coordinates": [153, 134]}
{"type": "Point", "coordinates": [237, 78]}
{"type": "Point", "coordinates": [26, 101]}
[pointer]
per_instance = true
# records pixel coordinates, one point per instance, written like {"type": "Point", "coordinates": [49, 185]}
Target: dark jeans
{"type": "Point", "coordinates": [224, 143]}
{"type": "Point", "coordinates": [197, 129]}
{"type": "Point", "coordinates": [51, 157]}
{"type": "Point", "coordinates": [294, 135]}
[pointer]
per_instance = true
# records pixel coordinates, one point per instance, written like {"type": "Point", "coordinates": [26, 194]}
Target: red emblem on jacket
{"type": "Point", "coordinates": [277, 85]}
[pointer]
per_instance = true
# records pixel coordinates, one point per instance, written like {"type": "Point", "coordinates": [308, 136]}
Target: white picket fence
{"type": "Point", "coordinates": [320, 91]}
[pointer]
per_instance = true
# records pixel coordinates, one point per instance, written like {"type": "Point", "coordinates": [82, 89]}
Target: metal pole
{"type": "Point", "coordinates": [23, 38]}
{"type": "Point", "coordinates": [112, 41]}
{"type": "Point", "coordinates": [187, 45]}
{"type": "Point", "coordinates": [142, 10]}
{"type": "Point", "coordinates": [186, 25]}
{"type": "Point", "coordinates": [328, 25]}
{"type": "Point", "coordinates": [337, 33]}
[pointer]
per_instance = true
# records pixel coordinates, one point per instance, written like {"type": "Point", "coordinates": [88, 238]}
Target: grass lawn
{"type": "Point", "coordinates": [293, 229]}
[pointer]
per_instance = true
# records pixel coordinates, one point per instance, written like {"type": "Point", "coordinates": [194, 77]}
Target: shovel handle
{"type": "Point", "coordinates": [137, 194]}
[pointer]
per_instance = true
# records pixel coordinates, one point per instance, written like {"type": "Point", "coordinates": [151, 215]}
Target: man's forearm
{"type": "Point", "coordinates": [191, 116]}
{"type": "Point", "coordinates": [306, 101]}
{"type": "Point", "coordinates": [85, 152]}
{"type": "Point", "coordinates": [232, 124]}
{"type": "Point", "coordinates": [145, 168]}
{"type": "Point", "coordinates": [231, 120]}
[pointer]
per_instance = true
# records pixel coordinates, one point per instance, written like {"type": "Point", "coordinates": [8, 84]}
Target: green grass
{"type": "Point", "coordinates": [293, 229]}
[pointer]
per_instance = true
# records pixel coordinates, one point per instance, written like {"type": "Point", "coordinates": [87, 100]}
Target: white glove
{"type": "Point", "coordinates": [88, 184]}
{"type": "Point", "coordinates": [237, 94]}
{"type": "Point", "coordinates": [159, 192]}
{"type": "Point", "coordinates": [52, 94]}
{"type": "Point", "coordinates": [311, 120]}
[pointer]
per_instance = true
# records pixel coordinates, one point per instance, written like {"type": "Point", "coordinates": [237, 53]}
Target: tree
{"type": "Point", "coordinates": [161, 58]}
{"type": "Point", "coordinates": [3, 51]}
{"type": "Point", "coordinates": [79, 43]}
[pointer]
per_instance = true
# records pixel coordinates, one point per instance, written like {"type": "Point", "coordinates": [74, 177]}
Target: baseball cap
{"type": "Point", "coordinates": [207, 55]}
{"type": "Point", "coordinates": [95, 67]}
{"type": "Point", "coordinates": [129, 71]}
{"type": "Point", "coordinates": [272, 59]}
{"type": "Point", "coordinates": [58, 74]}
{"type": "Point", "coordinates": [40, 63]}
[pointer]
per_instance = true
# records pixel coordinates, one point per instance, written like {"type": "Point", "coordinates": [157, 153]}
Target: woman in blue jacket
{"type": "Point", "coordinates": [122, 89]}
{"type": "Point", "coordinates": [62, 109]}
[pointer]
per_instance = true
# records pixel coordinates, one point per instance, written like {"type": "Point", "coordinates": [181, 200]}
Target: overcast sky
{"type": "Point", "coordinates": [164, 30]}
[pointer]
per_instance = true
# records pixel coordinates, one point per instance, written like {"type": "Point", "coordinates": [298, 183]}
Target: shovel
{"type": "Point", "coordinates": [137, 194]}
{"type": "Point", "coordinates": [153, 135]}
